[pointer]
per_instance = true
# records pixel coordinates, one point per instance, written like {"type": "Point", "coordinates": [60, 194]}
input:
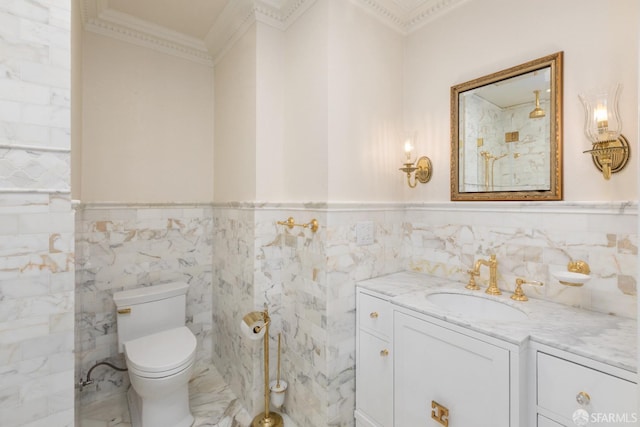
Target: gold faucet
{"type": "Point", "coordinates": [492, 263]}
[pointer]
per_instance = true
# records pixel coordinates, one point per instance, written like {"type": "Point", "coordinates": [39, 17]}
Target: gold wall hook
{"type": "Point", "coordinates": [313, 225]}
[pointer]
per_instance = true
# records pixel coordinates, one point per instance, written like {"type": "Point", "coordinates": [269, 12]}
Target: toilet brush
{"type": "Point", "coordinates": [278, 371]}
{"type": "Point", "coordinates": [278, 387]}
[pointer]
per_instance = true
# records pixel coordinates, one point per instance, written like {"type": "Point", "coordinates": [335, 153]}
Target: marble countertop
{"type": "Point", "coordinates": [605, 338]}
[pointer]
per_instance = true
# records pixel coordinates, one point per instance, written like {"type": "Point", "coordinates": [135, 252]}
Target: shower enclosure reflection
{"type": "Point", "coordinates": [505, 134]}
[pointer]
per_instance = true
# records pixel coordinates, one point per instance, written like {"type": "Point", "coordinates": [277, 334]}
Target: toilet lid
{"type": "Point", "coordinates": [161, 352]}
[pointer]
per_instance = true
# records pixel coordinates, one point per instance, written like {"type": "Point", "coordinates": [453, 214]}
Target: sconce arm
{"type": "Point", "coordinates": [422, 171]}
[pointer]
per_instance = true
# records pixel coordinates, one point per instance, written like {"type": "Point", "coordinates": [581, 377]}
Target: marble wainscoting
{"type": "Point", "coordinates": [36, 309]}
{"type": "Point", "coordinates": [532, 240]}
{"type": "Point", "coordinates": [123, 246]}
{"type": "Point", "coordinates": [258, 262]}
{"type": "Point", "coordinates": [238, 360]}
{"type": "Point", "coordinates": [308, 280]}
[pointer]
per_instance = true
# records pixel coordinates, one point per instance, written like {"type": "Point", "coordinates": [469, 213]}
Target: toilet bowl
{"type": "Point", "coordinates": [160, 366]}
{"type": "Point", "coordinates": [160, 353]}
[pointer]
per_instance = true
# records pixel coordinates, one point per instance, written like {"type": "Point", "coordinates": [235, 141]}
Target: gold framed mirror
{"type": "Point", "coordinates": [506, 134]}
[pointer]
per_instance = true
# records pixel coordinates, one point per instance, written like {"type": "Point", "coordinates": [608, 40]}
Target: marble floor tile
{"type": "Point", "coordinates": [213, 404]}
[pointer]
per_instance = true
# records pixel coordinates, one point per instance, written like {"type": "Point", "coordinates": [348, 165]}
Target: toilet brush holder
{"type": "Point", "coordinates": [278, 390]}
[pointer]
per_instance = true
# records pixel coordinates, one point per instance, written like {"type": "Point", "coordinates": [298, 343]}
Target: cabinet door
{"type": "Point", "coordinates": [434, 364]}
{"type": "Point", "coordinates": [374, 379]}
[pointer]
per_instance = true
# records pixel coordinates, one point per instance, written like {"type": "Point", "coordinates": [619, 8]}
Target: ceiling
{"type": "Point", "coordinates": [191, 17]}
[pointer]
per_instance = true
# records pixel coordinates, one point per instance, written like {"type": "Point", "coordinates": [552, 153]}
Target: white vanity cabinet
{"type": "Point", "coordinates": [448, 375]}
{"type": "Point", "coordinates": [406, 360]}
{"type": "Point", "coordinates": [569, 386]}
{"type": "Point", "coordinates": [374, 365]}
{"type": "Point", "coordinates": [419, 366]}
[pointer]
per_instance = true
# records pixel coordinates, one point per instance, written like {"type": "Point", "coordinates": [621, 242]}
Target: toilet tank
{"type": "Point", "coordinates": [151, 309]}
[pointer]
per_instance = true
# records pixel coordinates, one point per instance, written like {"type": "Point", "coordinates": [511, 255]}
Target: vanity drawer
{"type": "Point", "coordinates": [561, 381]}
{"type": "Point", "coordinates": [375, 314]}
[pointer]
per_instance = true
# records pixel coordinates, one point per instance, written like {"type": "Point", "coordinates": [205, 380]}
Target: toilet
{"type": "Point", "coordinates": [159, 351]}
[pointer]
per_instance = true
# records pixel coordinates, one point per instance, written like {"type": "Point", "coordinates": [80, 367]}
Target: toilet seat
{"type": "Point", "coordinates": [161, 354]}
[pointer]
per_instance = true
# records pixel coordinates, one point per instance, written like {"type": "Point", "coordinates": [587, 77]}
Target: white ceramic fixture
{"type": "Point", "coordinates": [159, 351]}
{"type": "Point", "coordinates": [571, 278]}
{"type": "Point", "coordinates": [478, 307]}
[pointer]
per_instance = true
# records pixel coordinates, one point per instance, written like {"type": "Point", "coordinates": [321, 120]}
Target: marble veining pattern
{"type": "Point", "coordinates": [446, 244]}
{"type": "Point", "coordinates": [308, 280]}
{"type": "Point", "coordinates": [212, 403]}
{"type": "Point", "coordinates": [604, 338]}
{"type": "Point", "coordinates": [123, 248]}
{"type": "Point", "coordinates": [36, 218]}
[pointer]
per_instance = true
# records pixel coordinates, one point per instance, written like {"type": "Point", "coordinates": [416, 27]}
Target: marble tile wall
{"type": "Point", "coordinates": [238, 360]}
{"type": "Point", "coordinates": [308, 279]}
{"type": "Point", "coordinates": [36, 218]}
{"type": "Point", "coordinates": [36, 309]}
{"type": "Point", "coordinates": [296, 285]}
{"type": "Point", "coordinates": [348, 263]}
{"type": "Point", "coordinates": [121, 247]}
{"type": "Point", "coordinates": [532, 241]}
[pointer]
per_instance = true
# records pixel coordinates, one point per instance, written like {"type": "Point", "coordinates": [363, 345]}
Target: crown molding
{"type": "Point", "coordinates": [404, 16]}
{"type": "Point", "coordinates": [98, 18]}
{"type": "Point", "coordinates": [239, 15]}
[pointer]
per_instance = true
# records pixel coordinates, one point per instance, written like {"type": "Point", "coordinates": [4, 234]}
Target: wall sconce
{"type": "Point", "coordinates": [421, 168]}
{"type": "Point", "coordinates": [610, 151]}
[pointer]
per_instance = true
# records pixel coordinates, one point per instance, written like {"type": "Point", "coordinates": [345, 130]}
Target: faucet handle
{"type": "Point", "coordinates": [472, 280]}
{"type": "Point", "coordinates": [518, 294]}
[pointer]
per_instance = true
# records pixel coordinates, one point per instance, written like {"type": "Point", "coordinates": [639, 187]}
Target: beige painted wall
{"type": "Point", "coordinates": [270, 166]}
{"type": "Point", "coordinates": [306, 106]}
{"type": "Point", "coordinates": [600, 44]}
{"type": "Point", "coordinates": [235, 117]}
{"type": "Point", "coordinates": [315, 113]}
{"type": "Point", "coordinates": [148, 125]}
{"type": "Point", "coordinates": [76, 99]}
{"type": "Point", "coordinates": [328, 106]}
{"type": "Point", "coordinates": [365, 107]}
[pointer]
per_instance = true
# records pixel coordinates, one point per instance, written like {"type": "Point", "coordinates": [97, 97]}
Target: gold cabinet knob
{"type": "Point", "coordinates": [384, 352]}
{"type": "Point", "coordinates": [583, 398]}
{"type": "Point", "coordinates": [373, 315]}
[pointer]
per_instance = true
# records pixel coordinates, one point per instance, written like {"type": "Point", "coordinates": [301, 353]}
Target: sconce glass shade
{"type": "Point", "coordinates": [603, 127]}
{"type": "Point", "coordinates": [602, 118]}
{"type": "Point", "coordinates": [409, 144]}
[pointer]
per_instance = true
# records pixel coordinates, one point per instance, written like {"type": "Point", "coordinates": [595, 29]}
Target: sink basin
{"type": "Point", "coordinates": [476, 307]}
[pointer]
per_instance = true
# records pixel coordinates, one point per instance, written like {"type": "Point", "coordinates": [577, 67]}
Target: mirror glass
{"type": "Point", "coordinates": [506, 141]}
